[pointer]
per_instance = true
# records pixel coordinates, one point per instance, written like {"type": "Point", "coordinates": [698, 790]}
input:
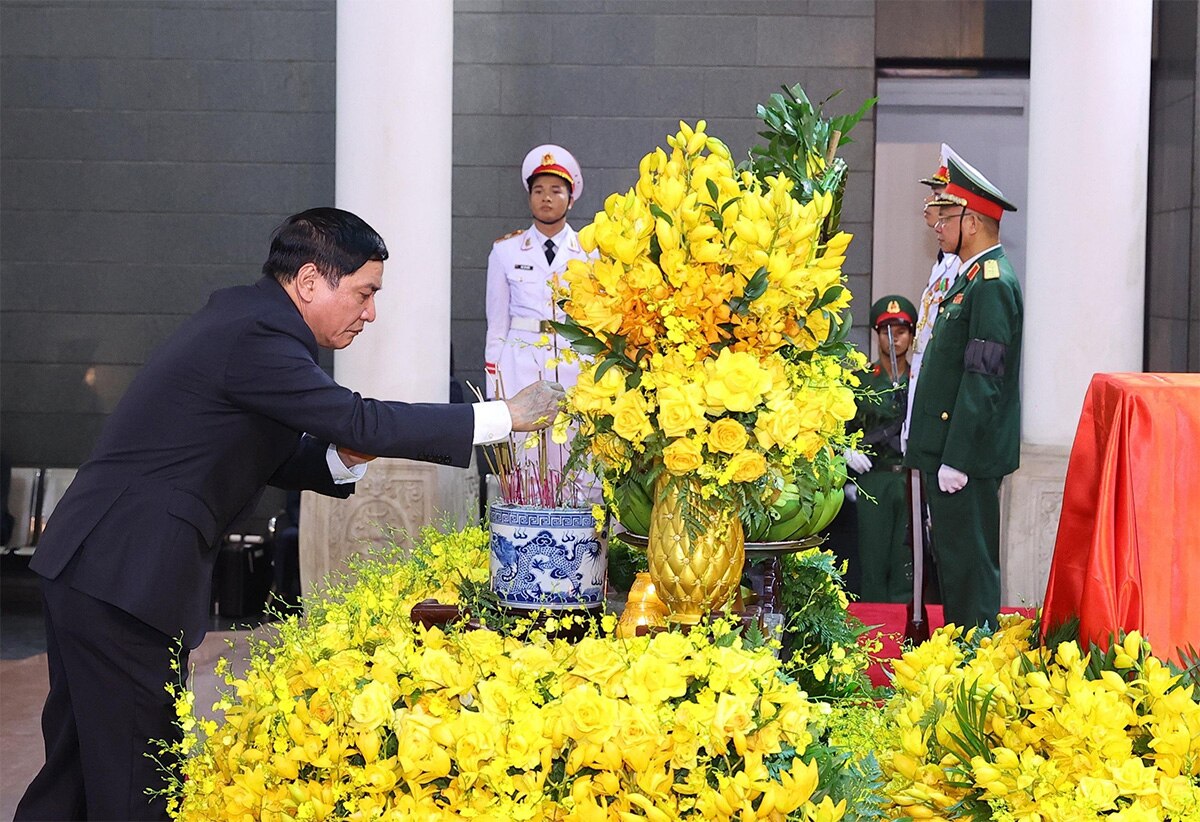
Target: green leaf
{"type": "Point", "coordinates": [757, 285]}
{"type": "Point", "coordinates": [589, 346]}
{"type": "Point", "coordinates": [831, 294]}
{"type": "Point", "coordinates": [603, 367]}
{"type": "Point", "coordinates": [849, 121]}
{"type": "Point", "coordinates": [570, 331]}
{"type": "Point", "coordinates": [657, 211]}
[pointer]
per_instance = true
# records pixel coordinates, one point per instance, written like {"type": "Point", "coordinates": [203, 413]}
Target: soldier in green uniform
{"type": "Point", "coordinates": [964, 433]}
{"type": "Point", "coordinates": [884, 555]}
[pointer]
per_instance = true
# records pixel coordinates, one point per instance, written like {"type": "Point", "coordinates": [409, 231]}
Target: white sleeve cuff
{"type": "Point", "coordinates": [338, 470]}
{"type": "Point", "coordinates": [492, 422]}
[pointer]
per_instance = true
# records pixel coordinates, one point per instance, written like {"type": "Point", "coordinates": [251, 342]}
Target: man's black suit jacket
{"type": "Point", "coordinates": [232, 402]}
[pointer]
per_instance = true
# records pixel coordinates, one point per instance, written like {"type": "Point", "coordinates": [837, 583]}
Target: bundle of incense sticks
{"type": "Point", "coordinates": [531, 481]}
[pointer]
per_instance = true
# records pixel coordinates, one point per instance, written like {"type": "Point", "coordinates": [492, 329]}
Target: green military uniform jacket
{"type": "Point", "coordinates": [880, 410]}
{"type": "Point", "coordinates": [967, 409]}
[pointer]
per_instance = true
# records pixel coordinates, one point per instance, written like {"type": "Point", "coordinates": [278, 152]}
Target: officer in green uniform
{"type": "Point", "coordinates": [964, 434]}
{"type": "Point", "coordinates": [884, 556]}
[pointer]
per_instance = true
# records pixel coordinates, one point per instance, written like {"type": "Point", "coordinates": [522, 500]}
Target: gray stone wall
{"type": "Point", "coordinates": [148, 147]}
{"type": "Point", "coordinates": [1173, 224]}
{"type": "Point", "coordinates": [608, 80]}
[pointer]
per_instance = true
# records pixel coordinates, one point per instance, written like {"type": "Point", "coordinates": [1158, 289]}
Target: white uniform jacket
{"type": "Point", "coordinates": [518, 300]}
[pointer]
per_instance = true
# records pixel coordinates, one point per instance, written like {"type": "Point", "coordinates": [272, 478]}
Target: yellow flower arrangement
{"type": "Point", "coordinates": [712, 317]}
{"type": "Point", "coordinates": [356, 713]}
{"type": "Point", "coordinates": [359, 714]}
{"type": "Point", "coordinates": [995, 727]}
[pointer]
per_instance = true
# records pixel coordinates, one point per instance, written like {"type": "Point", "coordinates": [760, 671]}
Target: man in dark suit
{"type": "Point", "coordinates": [230, 403]}
{"type": "Point", "coordinates": [964, 431]}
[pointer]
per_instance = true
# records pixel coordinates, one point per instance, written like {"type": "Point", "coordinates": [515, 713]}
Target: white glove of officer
{"type": "Point", "coordinates": [951, 480]}
{"type": "Point", "coordinates": [858, 462]}
{"type": "Point", "coordinates": [851, 492]}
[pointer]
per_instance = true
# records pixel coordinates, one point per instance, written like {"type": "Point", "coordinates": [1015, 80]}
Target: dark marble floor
{"type": "Point", "coordinates": [22, 633]}
{"type": "Point", "coordinates": [23, 673]}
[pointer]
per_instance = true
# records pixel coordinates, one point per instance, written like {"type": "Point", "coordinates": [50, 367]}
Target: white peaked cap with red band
{"type": "Point", "coordinates": [556, 160]}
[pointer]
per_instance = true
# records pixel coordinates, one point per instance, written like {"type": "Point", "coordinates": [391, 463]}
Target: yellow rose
{"type": "Point", "coordinates": [727, 436]}
{"type": "Point", "coordinates": [609, 449]}
{"type": "Point", "coordinates": [778, 427]}
{"type": "Point", "coordinates": [736, 382]}
{"type": "Point", "coordinates": [733, 714]}
{"type": "Point", "coordinates": [523, 740]}
{"type": "Point", "coordinates": [631, 419]}
{"type": "Point", "coordinates": [652, 680]}
{"type": "Point", "coordinates": [841, 405]}
{"type": "Point", "coordinates": [680, 409]}
{"type": "Point", "coordinates": [597, 661]}
{"type": "Point", "coordinates": [372, 706]}
{"type": "Point", "coordinates": [746, 466]}
{"type": "Point", "coordinates": [682, 456]}
{"type": "Point", "coordinates": [439, 668]}
{"type": "Point", "coordinates": [592, 715]}
{"type": "Point", "coordinates": [590, 396]}
{"type": "Point", "coordinates": [473, 750]}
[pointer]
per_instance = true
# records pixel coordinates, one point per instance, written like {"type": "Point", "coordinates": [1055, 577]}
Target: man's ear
{"type": "Point", "coordinates": [307, 281]}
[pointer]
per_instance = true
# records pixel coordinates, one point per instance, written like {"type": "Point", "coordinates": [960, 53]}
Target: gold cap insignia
{"type": "Point", "coordinates": [547, 159]}
{"type": "Point", "coordinates": [893, 307]}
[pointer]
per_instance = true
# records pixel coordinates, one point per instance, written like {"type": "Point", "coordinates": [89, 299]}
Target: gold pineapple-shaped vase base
{"type": "Point", "coordinates": [695, 571]}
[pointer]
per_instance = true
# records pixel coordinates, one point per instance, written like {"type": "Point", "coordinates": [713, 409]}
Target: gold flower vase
{"type": "Point", "coordinates": [695, 570]}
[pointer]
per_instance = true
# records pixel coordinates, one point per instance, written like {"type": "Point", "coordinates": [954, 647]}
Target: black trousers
{"type": "Point", "coordinates": [108, 673]}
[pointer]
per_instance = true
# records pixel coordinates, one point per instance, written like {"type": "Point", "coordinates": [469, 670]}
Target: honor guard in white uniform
{"type": "Point", "coordinates": [522, 269]}
{"type": "Point", "coordinates": [941, 277]}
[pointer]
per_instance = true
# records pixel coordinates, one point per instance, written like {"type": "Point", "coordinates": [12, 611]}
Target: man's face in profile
{"type": "Point", "coordinates": [337, 315]}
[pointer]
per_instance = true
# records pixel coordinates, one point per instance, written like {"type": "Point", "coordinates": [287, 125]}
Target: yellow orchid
{"type": "Point", "coordinates": [1064, 739]}
{"type": "Point", "coordinates": [438, 723]}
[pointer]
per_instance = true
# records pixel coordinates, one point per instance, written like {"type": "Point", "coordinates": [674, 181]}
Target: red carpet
{"type": "Point", "coordinates": [888, 623]}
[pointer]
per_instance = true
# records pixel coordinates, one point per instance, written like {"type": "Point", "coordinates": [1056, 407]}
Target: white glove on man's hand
{"type": "Point", "coordinates": [951, 480]}
{"type": "Point", "coordinates": [851, 492]}
{"type": "Point", "coordinates": [858, 461]}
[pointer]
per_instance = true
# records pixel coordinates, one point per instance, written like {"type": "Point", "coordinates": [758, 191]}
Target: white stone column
{"type": "Point", "coordinates": [1089, 123]}
{"type": "Point", "coordinates": [395, 64]}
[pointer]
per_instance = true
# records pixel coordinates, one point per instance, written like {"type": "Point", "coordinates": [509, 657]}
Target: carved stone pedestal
{"type": "Point", "coordinates": [396, 497]}
{"type": "Point", "coordinates": [1030, 504]}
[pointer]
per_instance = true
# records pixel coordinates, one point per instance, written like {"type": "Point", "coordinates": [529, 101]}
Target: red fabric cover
{"type": "Point", "coordinates": [1127, 554]}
